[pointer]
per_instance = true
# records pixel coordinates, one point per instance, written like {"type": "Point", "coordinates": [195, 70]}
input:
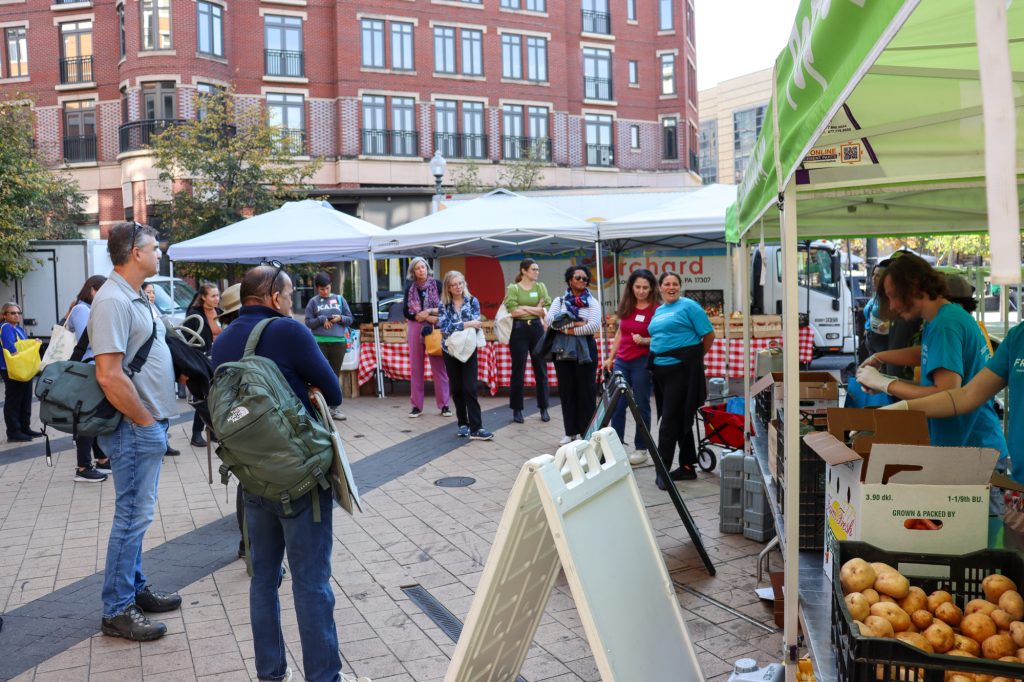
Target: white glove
{"type": "Point", "coordinates": [870, 361]}
{"type": "Point", "coordinates": [871, 378]}
{"type": "Point", "coordinates": [900, 405]}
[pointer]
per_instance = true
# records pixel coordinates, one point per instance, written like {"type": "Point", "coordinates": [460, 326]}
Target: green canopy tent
{"type": "Point", "coordinates": [886, 118]}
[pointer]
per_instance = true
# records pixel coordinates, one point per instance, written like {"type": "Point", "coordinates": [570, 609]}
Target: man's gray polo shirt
{"type": "Point", "coordinates": [121, 322]}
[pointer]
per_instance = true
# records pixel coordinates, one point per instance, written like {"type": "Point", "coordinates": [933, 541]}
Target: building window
{"type": "Point", "coordinates": [511, 56]}
{"type": "Point", "coordinates": [17, 52]}
{"type": "Point", "coordinates": [122, 41]}
{"type": "Point", "coordinates": [536, 59]}
{"type": "Point", "coordinates": [472, 52]}
{"type": "Point", "coordinates": [631, 10]}
{"type": "Point", "coordinates": [379, 140]}
{"type": "Point", "coordinates": [159, 101]}
{"type": "Point", "coordinates": [76, 52]}
{"type": "Point", "coordinates": [595, 17]}
{"type": "Point", "coordinates": [473, 2]}
{"type": "Point", "coordinates": [203, 91]}
{"type": "Point", "coordinates": [634, 75]}
{"type": "Point", "coordinates": [403, 123]}
{"type": "Point", "coordinates": [665, 15]}
{"type": "Point", "coordinates": [600, 151]}
{"type": "Point", "coordinates": [401, 46]}
{"type": "Point", "coordinates": [634, 137]}
{"type": "Point", "coordinates": [79, 132]}
{"type": "Point", "coordinates": [373, 43]}
{"type": "Point", "coordinates": [693, 144]}
{"type": "Point", "coordinates": [444, 49]}
{"type": "Point", "coordinates": [746, 126]}
{"type": "Point", "coordinates": [210, 32]}
{"type": "Point", "coordinates": [691, 82]}
{"type": "Point", "coordinates": [597, 73]}
{"type": "Point", "coordinates": [374, 126]}
{"type": "Point", "coordinates": [283, 55]}
{"type": "Point", "coordinates": [531, 143]}
{"type": "Point", "coordinates": [668, 74]}
{"type": "Point", "coordinates": [156, 24]}
{"type": "Point", "coordinates": [709, 151]}
{"type": "Point", "coordinates": [287, 113]}
{"type": "Point", "coordinates": [468, 143]}
{"type": "Point", "coordinates": [531, 5]}
{"type": "Point", "coordinates": [690, 31]}
{"type": "Point", "coordinates": [670, 138]}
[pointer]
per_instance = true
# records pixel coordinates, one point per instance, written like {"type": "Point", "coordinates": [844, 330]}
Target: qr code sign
{"type": "Point", "coordinates": [850, 153]}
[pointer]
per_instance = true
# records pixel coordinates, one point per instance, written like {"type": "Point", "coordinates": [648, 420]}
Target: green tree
{"type": "Point", "coordinates": [948, 247]}
{"type": "Point", "coordinates": [466, 179]}
{"type": "Point", "coordinates": [225, 167]}
{"type": "Point", "coordinates": [526, 173]}
{"type": "Point", "coordinates": [35, 203]}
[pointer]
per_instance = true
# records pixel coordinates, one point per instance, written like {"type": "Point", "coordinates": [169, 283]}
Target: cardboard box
{"type": "Point", "coordinates": [818, 391]}
{"type": "Point", "coordinates": [889, 488]}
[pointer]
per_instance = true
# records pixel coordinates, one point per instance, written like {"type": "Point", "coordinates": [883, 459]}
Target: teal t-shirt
{"type": "Point", "coordinates": [674, 325]}
{"type": "Point", "coordinates": [953, 340]}
{"type": "Point", "coordinates": [1008, 364]}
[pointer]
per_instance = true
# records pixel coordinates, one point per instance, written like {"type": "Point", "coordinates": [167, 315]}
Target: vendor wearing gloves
{"type": "Point", "coordinates": [952, 352]}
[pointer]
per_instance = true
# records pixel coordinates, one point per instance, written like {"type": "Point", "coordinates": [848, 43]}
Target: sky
{"type": "Point", "coordinates": [735, 37]}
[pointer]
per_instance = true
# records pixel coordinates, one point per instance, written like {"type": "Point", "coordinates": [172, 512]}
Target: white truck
{"type": "Point", "coordinates": [61, 268]}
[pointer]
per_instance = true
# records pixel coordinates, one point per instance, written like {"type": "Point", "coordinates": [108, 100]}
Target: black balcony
{"type": "Point", "coordinates": [284, 63]}
{"type": "Point", "coordinates": [600, 155]}
{"type": "Point", "coordinates": [137, 134]}
{"type": "Point", "coordinates": [461, 145]}
{"type": "Point", "coordinates": [75, 70]}
{"type": "Point", "coordinates": [597, 88]}
{"type": "Point", "coordinates": [292, 141]}
{"type": "Point", "coordinates": [597, 22]}
{"type": "Point", "coordinates": [79, 148]}
{"type": "Point", "coordinates": [378, 142]}
{"type": "Point", "coordinates": [514, 148]}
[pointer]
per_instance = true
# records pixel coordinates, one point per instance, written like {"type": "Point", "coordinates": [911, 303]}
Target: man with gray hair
{"type": "Point", "coordinates": [120, 324]}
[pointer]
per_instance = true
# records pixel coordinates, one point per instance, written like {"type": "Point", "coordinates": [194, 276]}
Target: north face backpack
{"type": "Point", "coordinates": [268, 440]}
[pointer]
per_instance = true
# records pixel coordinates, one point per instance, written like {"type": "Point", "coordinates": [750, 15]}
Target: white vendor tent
{"type": "Point", "coordinates": [693, 219]}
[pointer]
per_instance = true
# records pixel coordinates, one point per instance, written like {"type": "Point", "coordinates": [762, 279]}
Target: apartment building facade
{"type": "Point", "coordinates": [731, 115]}
{"type": "Point", "coordinates": [602, 91]}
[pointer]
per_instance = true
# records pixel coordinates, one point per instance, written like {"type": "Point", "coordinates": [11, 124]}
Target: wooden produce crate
{"type": "Point", "coordinates": [393, 332]}
{"type": "Point", "coordinates": [735, 327]}
{"type": "Point", "coordinates": [765, 326]}
{"type": "Point", "coordinates": [489, 330]}
{"type": "Point", "coordinates": [366, 332]}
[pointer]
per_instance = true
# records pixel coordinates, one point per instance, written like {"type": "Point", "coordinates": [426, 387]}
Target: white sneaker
{"type": "Point", "coordinates": [566, 440]}
{"type": "Point", "coordinates": [638, 457]}
{"type": "Point", "coordinates": [345, 677]}
{"type": "Point", "coordinates": [337, 414]}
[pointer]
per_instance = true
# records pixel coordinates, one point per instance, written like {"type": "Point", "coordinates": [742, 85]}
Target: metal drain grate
{"type": "Point", "coordinates": [455, 482]}
{"type": "Point", "coordinates": [435, 610]}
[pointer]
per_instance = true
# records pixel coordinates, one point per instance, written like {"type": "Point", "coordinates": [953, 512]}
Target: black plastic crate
{"type": "Point", "coordinates": [812, 468]}
{"type": "Point", "coordinates": [764, 404]}
{"type": "Point", "coordinates": [812, 519]}
{"type": "Point", "coordinates": [867, 659]}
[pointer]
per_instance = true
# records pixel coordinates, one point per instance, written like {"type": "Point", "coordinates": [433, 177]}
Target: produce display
{"type": "Point", "coordinates": [882, 603]}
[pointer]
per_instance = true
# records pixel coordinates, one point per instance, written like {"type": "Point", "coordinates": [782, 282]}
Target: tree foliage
{"type": "Point", "coordinates": [234, 165]}
{"type": "Point", "coordinates": [525, 173]}
{"type": "Point", "coordinates": [466, 179]}
{"type": "Point", "coordinates": [35, 203]}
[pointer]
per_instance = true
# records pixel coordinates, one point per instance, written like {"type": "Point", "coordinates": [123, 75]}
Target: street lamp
{"type": "Point", "coordinates": [437, 168]}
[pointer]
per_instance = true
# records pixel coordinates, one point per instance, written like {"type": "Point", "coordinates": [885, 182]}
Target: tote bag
{"type": "Point", "coordinates": [23, 365]}
{"type": "Point", "coordinates": [62, 344]}
{"type": "Point", "coordinates": [503, 325]}
{"type": "Point", "coordinates": [433, 342]}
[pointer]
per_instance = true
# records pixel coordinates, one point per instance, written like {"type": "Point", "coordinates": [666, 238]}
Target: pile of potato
{"type": "Point", "coordinates": [883, 603]}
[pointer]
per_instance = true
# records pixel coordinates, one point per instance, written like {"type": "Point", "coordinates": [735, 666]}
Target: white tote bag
{"type": "Point", "coordinates": [503, 325]}
{"type": "Point", "coordinates": [62, 344]}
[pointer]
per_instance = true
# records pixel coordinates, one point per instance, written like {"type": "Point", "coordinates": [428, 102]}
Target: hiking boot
{"type": "Point", "coordinates": [446, 411]}
{"type": "Point", "coordinates": [155, 601]}
{"type": "Point", "coordinates": [198, 440]}
{"type": "Point", "coordinates": [89, 475]}
{"type": "Point", "coordinates": [517, 416]}
{"type": "Point", "coordinates": [415, 412]}
{"type": "Point", "coordinates": [481, 434]}
{"type": "Point", "coordinates": [463, 431]}
{"type": "Point", "coordinates": [132, 624]}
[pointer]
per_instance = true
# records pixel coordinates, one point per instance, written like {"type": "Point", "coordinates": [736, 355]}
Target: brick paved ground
{"type": "Point", "coordinates": [53, 536]}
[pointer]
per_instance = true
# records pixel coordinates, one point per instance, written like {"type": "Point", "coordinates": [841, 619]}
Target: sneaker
{"type": "Point", "coordinates": [336, 413]}
{"type": "Point", "coordinates": [685, 472]}
{"type": "Point", "coordinates": [446, 411]}
{"type": "Point", "coordinates": [103, 467]}
{"type": "Point", "coordinates": [89, 475]}
{"type": "Point", "coordinates": [345, 677]}
{"type": "Point", "coordinates": [132, 624]}
{"type": "Point", "coordinates": [480, 434]}
{"type": "Point", "coordinates": [172, 452]}
{"type": "Point", "coordinates": [566, 440]}
{"type": "Point", "coordinates": [463, 431]}
{"type": "Point", "coordinates": [155, 601]}
{"type": "Point", "coordinates": [638, 457]}
{"type": "Point", "coordinates": [415, 412]}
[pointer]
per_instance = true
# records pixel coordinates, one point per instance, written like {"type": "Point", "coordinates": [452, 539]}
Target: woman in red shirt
{"type": "Point", "coordinates": [629, 353]}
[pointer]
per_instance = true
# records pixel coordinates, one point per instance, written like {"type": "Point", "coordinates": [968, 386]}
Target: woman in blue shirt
{"type": "Point", "coordinates": [460, 311]}
{"type": "Point", "coordinates": [681, 334]}
{"type": "Point", "coordinates": [17, 394]}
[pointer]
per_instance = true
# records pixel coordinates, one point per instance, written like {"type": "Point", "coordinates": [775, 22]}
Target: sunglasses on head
{"type": "Point", "coordinates": [274, 263]}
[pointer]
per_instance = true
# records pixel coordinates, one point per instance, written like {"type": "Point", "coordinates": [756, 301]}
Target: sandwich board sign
{"type": "Point", "coordinates": [574, 513]}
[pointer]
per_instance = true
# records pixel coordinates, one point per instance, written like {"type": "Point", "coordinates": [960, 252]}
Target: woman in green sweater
{"type": "Point", "coordinates": [527, 300]}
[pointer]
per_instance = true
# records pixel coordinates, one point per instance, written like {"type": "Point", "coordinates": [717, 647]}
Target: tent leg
{"type": "Point", "coordinates": [744, 266]}
{"type": "Point", "coordinates": [600, 293]}
{"type": "Point", "coordinates": [378, 372]}
{"type": "Point", "coordinates": [727, 309]}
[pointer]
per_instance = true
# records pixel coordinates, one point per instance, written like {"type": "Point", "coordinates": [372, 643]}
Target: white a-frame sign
{"type": "Point", "coordinates": [571, 511]}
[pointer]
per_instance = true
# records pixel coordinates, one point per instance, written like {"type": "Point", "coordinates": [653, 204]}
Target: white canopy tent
{"type": "Point", "coordinates": [695, 219]}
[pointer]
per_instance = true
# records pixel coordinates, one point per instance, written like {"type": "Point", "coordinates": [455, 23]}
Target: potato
{"type": "Point", "coordinates": [1011, 602]}
{"type": "Point", "coordinates": [893, 584]}
{"type": "Point", "coordinates": [1017, 634]}
{"type": "Point", "coordinates": [938, 597]}
{"type": "Point", "coordinates": [1001, 619]}
{"type": "Point", "coordinates": [997, 646]}
{"type": "Point", "coordinates": [966, 644]}
{"type": "Point", "coordinates": [915, 639]}
{"type": "Point", "coordinates": [856, 575]}
{"type": "Point", "coordinates": [864, 630]}
{"type": "Point", "coordinates": [921, 619]}
{"type": "Point", "coordinates": [959, 677]}
{"type": "Point", "coordinates": [880, 626]}
{"type": "Point", "coordinates": [1020, 653]}
{"type": "Point", "coordinates": [870, 595]}
{"type": "Point", "coordinates": [881, 568]}
{"type": "Point", "coordinates": [949, 613]}
{"type": "Point", "coordinates": [892, 613]}
{"type": "Point", "coordinates": [940, 636]}
{"type": "Point", "coordinates": [858, 606]}
{"type": "Point", "coordinates": [915, 600]}
{"type": "Point", "coordinates": [994, 585]}
{"type": "Point", "coordinates": [978, 627]}
{"type": "Point", "coordinates": [979, 605]}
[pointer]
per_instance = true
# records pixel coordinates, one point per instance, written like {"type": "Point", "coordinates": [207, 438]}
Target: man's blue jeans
{"type": "Point", "coordinates": [639, 379]}
{"type": "Point", "coordinates": [308, 544]}
{"type": "Point", "coordinates": [135, 453]}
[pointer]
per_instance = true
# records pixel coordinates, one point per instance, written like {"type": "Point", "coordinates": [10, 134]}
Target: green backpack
{"type": "Point", "coordinates": [268, 440]}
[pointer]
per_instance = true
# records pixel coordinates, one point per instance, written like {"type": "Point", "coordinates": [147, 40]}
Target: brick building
{"type": "Point", "coordinates": [603, 90]}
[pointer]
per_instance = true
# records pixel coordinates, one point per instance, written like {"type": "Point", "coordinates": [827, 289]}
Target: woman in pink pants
{"type": "Point", "coordinates": [422, 300]}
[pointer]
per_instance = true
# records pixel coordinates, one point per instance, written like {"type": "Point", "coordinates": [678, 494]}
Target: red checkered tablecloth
{"type": "Point", "coordinates": [396, 363]}
{"type": "Point", "coordinates": [714, 361]}
{"type": "Point", "coordinates": [503, 365]}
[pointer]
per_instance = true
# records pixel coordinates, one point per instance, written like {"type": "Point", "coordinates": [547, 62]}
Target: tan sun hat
{"type": "Point", "coordinates": [230, 300]}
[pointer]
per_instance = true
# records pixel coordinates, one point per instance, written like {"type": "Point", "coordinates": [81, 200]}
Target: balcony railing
{"type": "Point", "coordinates": [461, 145]}
{"type": "Point", "coordinates": [597, 88]}
{"type": "Point", "coordinates": [292, 141]}
{"type": "Point", "coordinates": [284, 63]}
{"type": "Point", "coordinates": [79, 148]}
{"type": "Point", "coordinates": [75, 70]}
{"type": "Point", "coordinates": [600, 155]}
{"type": "Point", "coordinates": [514, 148]}
{"type": "Point", "coordinates": [137, 134]}
{"type": "Point", "coordinates": [377, 142]}
{"type": "Point", "coordinates": [596, 22]}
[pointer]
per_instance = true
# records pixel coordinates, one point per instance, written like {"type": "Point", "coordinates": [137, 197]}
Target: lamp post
{"type": "Point", "coordinates": [437, 168]}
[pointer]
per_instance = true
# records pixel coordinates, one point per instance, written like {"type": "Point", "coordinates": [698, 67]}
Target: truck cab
{"type": "Point", "coordinates": [824, 293]}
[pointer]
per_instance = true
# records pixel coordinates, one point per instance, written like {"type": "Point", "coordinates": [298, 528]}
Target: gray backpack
{"type": "Point", "coordinates": [268, 440]}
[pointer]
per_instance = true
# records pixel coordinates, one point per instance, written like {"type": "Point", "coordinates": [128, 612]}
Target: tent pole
{"type": "Point", "coordinates": [600, 294]}
{"type": "Point", "coordinates": [744, 266]}
{"type": "Point", "coordinates": [727, 309]}
{"type": "Point", "coordinates": [378, 372]}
